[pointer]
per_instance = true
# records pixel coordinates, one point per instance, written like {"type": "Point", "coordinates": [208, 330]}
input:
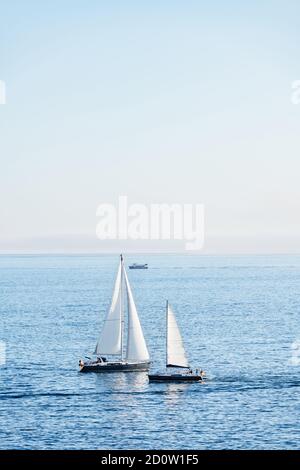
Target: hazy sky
{"type": "Point", "coordinates": [162, 101]}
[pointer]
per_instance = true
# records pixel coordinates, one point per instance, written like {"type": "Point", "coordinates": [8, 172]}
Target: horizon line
{"type": "Point", "coordinates": [189, 253]}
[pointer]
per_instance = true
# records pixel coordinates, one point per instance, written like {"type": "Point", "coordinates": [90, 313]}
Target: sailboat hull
{"type": "Point", "coordinates": [105, 367]}
{"type": "Point", "coordinates": [174, 378]}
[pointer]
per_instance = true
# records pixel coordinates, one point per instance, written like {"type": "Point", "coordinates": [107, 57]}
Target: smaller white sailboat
{"type": "Point", "coordinates": [175, 355]}
{"type": "Point", "coordinates": [111, 341]}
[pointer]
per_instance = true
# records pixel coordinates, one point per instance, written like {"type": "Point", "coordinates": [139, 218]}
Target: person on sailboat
{"type": "Point", "coordinates": [101, 359]}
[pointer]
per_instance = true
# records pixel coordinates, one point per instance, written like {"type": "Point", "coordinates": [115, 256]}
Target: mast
{"type": "Point", "coordinates": [121, 308]}
{"type": "Point", "coordinates": [167, 305]}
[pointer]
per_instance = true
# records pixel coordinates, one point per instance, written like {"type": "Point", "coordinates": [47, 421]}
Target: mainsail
{"type": "Point", "coordinates": [176, 356]}
{"type": "Point", "coordinates": [110, 341]}
{"type": "Point", "coordinates": [136, 345]}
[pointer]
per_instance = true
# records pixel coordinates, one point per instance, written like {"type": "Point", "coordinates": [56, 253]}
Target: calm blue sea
{"type": "Point", "coordinates": [238, 315]}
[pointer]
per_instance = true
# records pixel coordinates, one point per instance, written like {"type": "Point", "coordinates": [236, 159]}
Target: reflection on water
{"type": "Point", "coordinates": [173, 392]}
{"type": "Point", "coordinates": [120, 381]}
{"type": "Point", "coordinates": [125, 386]}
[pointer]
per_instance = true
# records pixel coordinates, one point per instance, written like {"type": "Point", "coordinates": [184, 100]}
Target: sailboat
{"type": "Point", "coordinates": [175, 355]}
{"type": "Point", "coordinates": [133, 357]}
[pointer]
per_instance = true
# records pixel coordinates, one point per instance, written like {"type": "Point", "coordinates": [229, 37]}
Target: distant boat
{"type": "Point", "coordinates": [175, 355]}
{"type": "Point", "coordinates": [136, 356]}
{"type": "Point", "coordinates": [138, 266]}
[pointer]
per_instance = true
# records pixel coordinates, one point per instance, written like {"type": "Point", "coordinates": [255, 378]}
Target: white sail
{"type": "Point", "coordinates": [175, 350]}
{"type": "Point", "coordinates": [110, 341]}
{"type": "Point", "coordinates": [136, 345]}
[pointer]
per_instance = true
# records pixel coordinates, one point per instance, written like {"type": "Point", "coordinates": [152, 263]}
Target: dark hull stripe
{"type": "Point", "coordinates": [116, 368]}
{"type": "Point", "coordinates": [169, 378]}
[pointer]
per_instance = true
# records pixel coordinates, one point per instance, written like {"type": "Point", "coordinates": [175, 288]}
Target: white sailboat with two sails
{"type": "Point", "coordinates": [133, 356]}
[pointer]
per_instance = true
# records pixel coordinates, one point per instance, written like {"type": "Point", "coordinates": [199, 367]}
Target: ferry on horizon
{"type": "Point", "coordinates": [138, 266]}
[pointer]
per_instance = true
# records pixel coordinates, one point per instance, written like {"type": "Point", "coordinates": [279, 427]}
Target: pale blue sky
{"type": "Point", "coordinates": [163, 101]}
